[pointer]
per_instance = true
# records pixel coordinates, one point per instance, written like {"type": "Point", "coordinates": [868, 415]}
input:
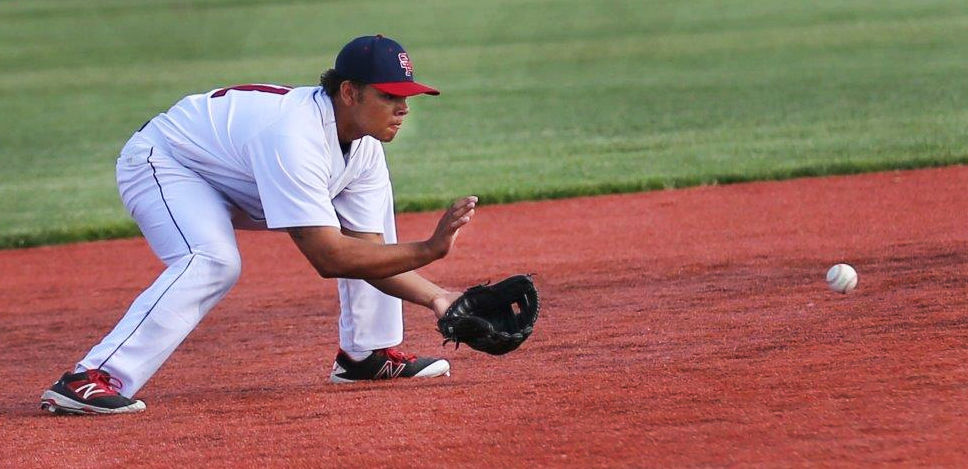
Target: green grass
{"type": "Point", "coordinates": [540, 98]}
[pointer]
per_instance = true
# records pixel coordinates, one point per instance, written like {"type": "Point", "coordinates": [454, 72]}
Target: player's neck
{"type": "Point", "coordinates": [346, 131]}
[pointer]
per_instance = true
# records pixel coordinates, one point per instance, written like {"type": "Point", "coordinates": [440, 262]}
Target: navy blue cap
{"type": "Point", "coordinates": [382, 63]}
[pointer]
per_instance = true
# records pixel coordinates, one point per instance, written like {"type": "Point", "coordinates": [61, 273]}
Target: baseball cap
{"type": "Point", "coordinates": [382, 63]}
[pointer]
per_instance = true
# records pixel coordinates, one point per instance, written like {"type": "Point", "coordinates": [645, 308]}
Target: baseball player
{"type": "Point", "coordinates": [307, 160]}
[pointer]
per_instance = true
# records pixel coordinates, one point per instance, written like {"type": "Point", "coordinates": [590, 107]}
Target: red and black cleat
{"type": "Point", "coordinates": [386, 364]}
{"type": "Point", "coordinates": [88, 392]}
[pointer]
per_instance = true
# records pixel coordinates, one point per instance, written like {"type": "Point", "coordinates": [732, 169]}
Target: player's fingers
{"type": "Point", "coordinates": [470, 200]}
{"type": "Point", "coordinates": [461, 211]}
{"type": "Point", "coordinates": [463, 220]}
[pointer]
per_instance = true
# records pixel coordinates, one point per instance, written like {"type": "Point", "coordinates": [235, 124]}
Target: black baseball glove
{"type": "Point", "coordinates": [494, 319]}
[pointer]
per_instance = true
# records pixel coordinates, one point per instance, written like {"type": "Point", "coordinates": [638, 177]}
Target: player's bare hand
{"type": "Point", "coordinates": [454, 218]}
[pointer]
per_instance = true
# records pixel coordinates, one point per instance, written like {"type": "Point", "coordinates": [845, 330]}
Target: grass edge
{"type": "Point", "coordinates": [128, 229]}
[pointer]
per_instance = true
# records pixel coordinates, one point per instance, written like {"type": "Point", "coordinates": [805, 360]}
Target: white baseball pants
{"type": "Point", "coordinates": [188, 225]}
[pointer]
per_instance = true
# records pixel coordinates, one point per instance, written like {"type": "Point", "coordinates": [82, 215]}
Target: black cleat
{"type": "Point", "coordinates": [88, 392]}
{"type": "Point", "coordinates": [386, 363]}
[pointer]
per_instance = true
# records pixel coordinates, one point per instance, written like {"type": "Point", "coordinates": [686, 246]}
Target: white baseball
{"type": "Point", "coordinates": [842, 278]}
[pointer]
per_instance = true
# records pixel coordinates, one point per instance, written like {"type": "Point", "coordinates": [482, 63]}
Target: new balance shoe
{"type": "Point", "coordinates": [386, 364]}
{"type": "Point", "coordinates": [88, 392]}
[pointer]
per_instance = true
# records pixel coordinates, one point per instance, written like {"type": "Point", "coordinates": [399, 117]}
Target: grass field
{"type": "Point", "coordinates": [540, 98]}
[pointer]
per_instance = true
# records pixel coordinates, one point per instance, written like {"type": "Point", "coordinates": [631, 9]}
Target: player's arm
{"type": "Point", "coordinates": [410, 286]}
{"type": "Point", "coordinates": [333, 253]}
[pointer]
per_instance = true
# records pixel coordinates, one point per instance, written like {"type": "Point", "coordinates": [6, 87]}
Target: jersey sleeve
{"type": "Point", "coordinates": [292, 174]}
{"type": "Point", "coordinates": [366, 202]}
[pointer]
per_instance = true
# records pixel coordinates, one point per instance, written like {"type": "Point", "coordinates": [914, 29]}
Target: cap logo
{"type": "Point", "coordinates": [405, 63]}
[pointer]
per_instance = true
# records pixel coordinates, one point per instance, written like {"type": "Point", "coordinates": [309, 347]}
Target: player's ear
{"type": "Point", "coordinates": [347, 92]}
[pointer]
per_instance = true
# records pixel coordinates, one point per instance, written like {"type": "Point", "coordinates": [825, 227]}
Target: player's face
{"type": "Point", "coordinates": [379, 114]}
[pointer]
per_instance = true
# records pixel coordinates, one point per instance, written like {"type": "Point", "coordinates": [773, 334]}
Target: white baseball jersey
{"type": "Point", "coordinates": [274, 153]}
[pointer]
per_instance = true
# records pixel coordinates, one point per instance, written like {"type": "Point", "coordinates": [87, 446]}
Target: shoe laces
{"type": "Point", "coordinates": [105, 380]}
{"type": "Point", "coordinates": [398, 356]}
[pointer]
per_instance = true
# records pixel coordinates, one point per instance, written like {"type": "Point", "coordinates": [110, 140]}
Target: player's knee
{"type": "Point", "coordinates": [225, 265]}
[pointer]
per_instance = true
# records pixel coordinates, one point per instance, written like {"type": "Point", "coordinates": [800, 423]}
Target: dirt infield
{"type": "Point", "coordinates": [688, 327]}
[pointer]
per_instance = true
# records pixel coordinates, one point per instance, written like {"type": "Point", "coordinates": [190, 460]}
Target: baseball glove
{"type": "Point", "coordinates": [485, 317]}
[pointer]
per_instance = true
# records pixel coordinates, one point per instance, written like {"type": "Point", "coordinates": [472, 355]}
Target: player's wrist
{"type": "Point", "coordinates": [432, 251]}
{"type": "Point", "coordinates": [440, 303]}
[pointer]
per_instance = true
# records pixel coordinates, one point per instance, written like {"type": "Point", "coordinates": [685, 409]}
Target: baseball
{"type": "Point", "coordinates": [842, 278]}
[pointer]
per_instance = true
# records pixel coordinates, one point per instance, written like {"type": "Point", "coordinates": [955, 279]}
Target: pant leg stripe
{"type": "Point", "coordinates": [148, 313]}
{"type": "Point", "coordinates": [154, 174]}
{"type": "Point", "coordinates": [161, 191]}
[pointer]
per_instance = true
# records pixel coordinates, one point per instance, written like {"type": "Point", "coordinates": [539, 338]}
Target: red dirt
{"type": "Point", "coordinates": [686, 327]}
